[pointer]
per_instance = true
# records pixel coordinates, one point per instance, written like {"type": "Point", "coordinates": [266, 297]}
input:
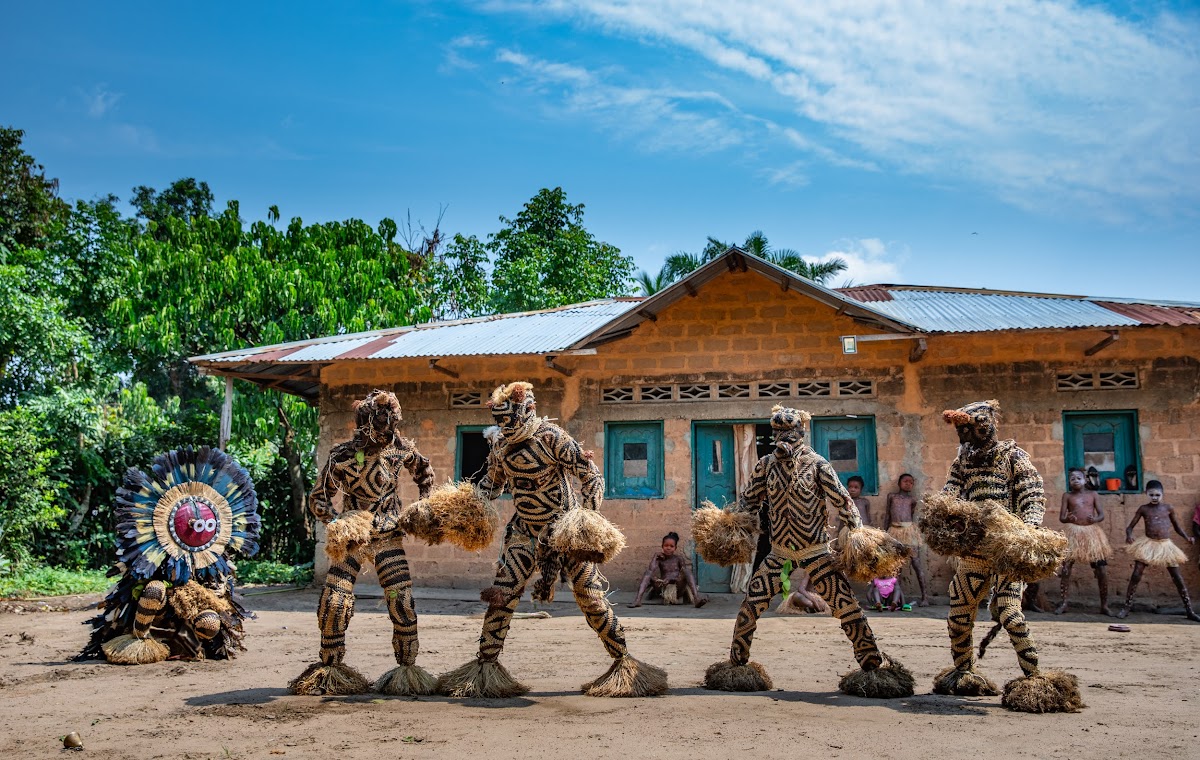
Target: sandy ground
{"type": "Point", "coordinates": [1142, 690]}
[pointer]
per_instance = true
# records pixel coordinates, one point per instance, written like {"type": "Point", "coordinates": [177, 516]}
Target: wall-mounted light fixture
{"type": "Point", "coordinates": [849, 344]}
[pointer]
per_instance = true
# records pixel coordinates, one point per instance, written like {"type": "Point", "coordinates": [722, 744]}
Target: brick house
{"type": "Point", "coordinates": [672, 392]}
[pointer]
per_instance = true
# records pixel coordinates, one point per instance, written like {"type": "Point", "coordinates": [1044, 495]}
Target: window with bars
{"type": "Point", "coordinates": [1096, 380]}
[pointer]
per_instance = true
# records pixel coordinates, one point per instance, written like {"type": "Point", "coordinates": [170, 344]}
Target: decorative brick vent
{"type": "Point", "coordinates": [466, 399]}
{"type": "Point", "coordinates": [617, 395]}
{"type": "Point", "coordinates": [730, 391]}
{"type": "Point", "coordinates": [1096, 380]}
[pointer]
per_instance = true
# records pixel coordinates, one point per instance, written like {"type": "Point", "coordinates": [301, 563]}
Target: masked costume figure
{"type": "Point", "coordinates": [793, 485]}
{"type": "Point", "coordinates": [535, 460]}
{"type": "Point", "coordinates": [995, 479]}
{"type": "Point", "coordinates": [366, 471]}
{"type": "Point", "coordinates": [175, 594]}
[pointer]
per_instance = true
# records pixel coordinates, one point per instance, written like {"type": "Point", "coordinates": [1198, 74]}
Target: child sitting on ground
{"type": "Point", "coordinates": [1155, 548]}
{"type": "Point", "coordinates": [886, 592]}
{"type": "Point", "coordinates": [670, 574]}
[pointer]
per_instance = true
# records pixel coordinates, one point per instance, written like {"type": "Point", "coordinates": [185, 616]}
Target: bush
{"type": "Point", "coordinates": [52, 581]}
{"type": "Point", "coordinates": [271, 572]}
{"type": "Point", "coordinates": [27, 497]}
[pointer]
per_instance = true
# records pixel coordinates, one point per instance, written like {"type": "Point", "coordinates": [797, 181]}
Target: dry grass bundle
{"type": "Point", "coordinates": [889, 681]}
{"type": "Point", "coordinates": [724, 538]}
{"type": "Point", "coordinates": [456, 512]}
{"type": "Point", "coordinates": [726, 676]}
{"type": "Point", "coordinates": [952, 526]}
{"type": "Point", "coordinates": [130, 650]}
{"type": "Point", "coordinates": [963, 683]}
{"type": "Point", "coordinates": [1051, 691]}
{"type": "Point", "coordinates": [348, 532]}
{"type": "Point", "coordinates": [867, 553]}
{"type": "Point", "coordinates": [190, 599]}
{"type": "Point", "coordinates": [406, 681]}
{"type": "Point", "coordinates": [585, 535]}
{"type": "Point", "coordinates": [628, 677]}
{"type": "Point", "coordinates": [477, 678]}
{"type": "Point", "coordinates": [1017, 550]}
{"type": "Point", "coordinates": [1156, 552]}
{"type": "Point", "coordinates": [329, 680]}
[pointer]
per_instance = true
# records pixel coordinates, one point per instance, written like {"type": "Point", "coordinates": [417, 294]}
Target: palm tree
{"type": "Point", "coordinates": [786, 258]}
{"type": "Point", "coordinates": [679, 264]}
{"type": "Point", "coordinates": [649, 285]}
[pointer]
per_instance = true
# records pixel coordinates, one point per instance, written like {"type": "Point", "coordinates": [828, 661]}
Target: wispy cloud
{"type": "Point", "coordinates": [100, 100]}
{"type": "Point", "coordinates": [457, 49]}
{"type": "Point", "coordinates": [1046, 103]}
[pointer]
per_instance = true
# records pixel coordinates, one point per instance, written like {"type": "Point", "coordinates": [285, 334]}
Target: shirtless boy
{"type": "Point", "coordinates": [854, 487]}
{"type": "Point", "coordinates": [671, 574]}
{"type": "Point", "coordinates": [1155, 548]}
{"type": "Point", "coordinates": [899, 520]}
{"type": "Point", "coordinates": [1081, 515]}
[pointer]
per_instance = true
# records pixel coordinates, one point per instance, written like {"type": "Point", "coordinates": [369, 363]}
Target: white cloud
{"type": "Point", "coordinates": [100, 101]}
{"type": "Point", "coordinates": [1047, 103]}
{"type": "Point", "coordinates": [457, 49]}
{"type": "Point", "coordinates": [868, 261]}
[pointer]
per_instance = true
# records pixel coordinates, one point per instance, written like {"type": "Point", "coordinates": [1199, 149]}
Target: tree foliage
{"type": "Point", "coordinates": [679, 264]}
{"type": "Point", "coordinates": [545, 257]}
{"type": "Point", "coordinates": [99, 312]}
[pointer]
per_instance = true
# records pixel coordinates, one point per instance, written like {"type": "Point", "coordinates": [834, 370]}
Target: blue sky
{"type": "Point", "coordinates": [1044, 146]}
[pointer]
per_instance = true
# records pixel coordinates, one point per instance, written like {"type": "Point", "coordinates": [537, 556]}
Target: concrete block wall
{"type": "Point", "coordinates": [742, 328]}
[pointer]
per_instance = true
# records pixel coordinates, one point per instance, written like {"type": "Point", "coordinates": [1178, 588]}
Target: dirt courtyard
{"type": "Point", "coordinates": [1142, 689]}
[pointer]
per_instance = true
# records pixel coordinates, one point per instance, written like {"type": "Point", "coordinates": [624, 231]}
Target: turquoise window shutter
{"type": "Point", "coordinates": [633, 460]}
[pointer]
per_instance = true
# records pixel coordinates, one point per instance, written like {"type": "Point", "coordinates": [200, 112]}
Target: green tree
{"type": "Point", "coordinates": [29, 203]}
{"type": "Point", "coordinates": [27, 498]}
{"type": "Point", "coordinates": [209, 283]}
{"type": "Point", "coordinates": [185, 199]}
{"type": "Point", "coordinates": [545, 257]}
{"type": "Point", "coordinates": [650, 284]}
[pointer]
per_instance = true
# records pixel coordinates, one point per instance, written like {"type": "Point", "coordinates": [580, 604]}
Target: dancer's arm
{"type": "Point", "coordinates": [1029, 493]}
{"type": "Point", "coordinates": [754, 495]}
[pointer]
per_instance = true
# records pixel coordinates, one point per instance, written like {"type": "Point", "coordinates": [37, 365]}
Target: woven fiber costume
{"type": "Point", "coordinates": [793, 485]}
{"type": "Point", "coordinates": [995, 479]}
{"type": "Point", "coordinates": [553, 532]}
{"type": "Point", "coordinates": [366, 471]}
{"type": "Point", "coordinates": [175, 595]}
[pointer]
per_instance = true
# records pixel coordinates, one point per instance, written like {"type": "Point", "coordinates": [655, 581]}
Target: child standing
{"type": "Point", "coordinates": [854, 487]}
{"type": "Point", "coordinates": [899, 520]}
{"type": "Point", "coordinates": [1081, 515]}
{"type": "Point", "coordinates": [1155, 548]}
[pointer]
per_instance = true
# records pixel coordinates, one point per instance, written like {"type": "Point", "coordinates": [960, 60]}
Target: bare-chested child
{"type": "Point", "coordinates": [1081, 515]}
{"type": "Point", "coordinates": [854, 487]}
{"type": "Point", "coordinates": [670, 573]}
{"type": "Point", "coordinates": [1155, 548]}
{"type": "Point", "coordinates": [899, 520]}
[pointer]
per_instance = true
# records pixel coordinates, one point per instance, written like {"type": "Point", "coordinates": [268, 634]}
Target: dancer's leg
{"type": "Point", "coordinates": [835, 589]}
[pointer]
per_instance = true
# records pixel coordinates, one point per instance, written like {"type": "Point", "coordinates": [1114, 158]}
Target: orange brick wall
{"type": "Point", "coordinates": [741, 327]}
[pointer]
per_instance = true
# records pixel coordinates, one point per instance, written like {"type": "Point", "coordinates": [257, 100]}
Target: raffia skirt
{"type": "Point", "coordinates": [1087, 543]}
{"type": "Point", "coordinates": [1156, 552]}
{"type": "Point", "coordinates": [907, 533]}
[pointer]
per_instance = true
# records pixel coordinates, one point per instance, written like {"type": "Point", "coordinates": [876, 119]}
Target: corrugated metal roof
{"type": "Point", "coordinates": [539, 332]}
{"type": "Point", "coordinates": [1154, 314]}
{"type": "Point", "coordinates": [958, 310]}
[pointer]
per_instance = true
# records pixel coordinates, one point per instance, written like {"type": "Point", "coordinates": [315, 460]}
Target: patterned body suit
{"type": "Point", "coordinates": [988, 469]}
{"type": "Point", "coordinates": [535, 462]}
{"type": "Point", "coordinates": [368, 477]}
{"type": "Point", "coordinates": [793, 485]}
